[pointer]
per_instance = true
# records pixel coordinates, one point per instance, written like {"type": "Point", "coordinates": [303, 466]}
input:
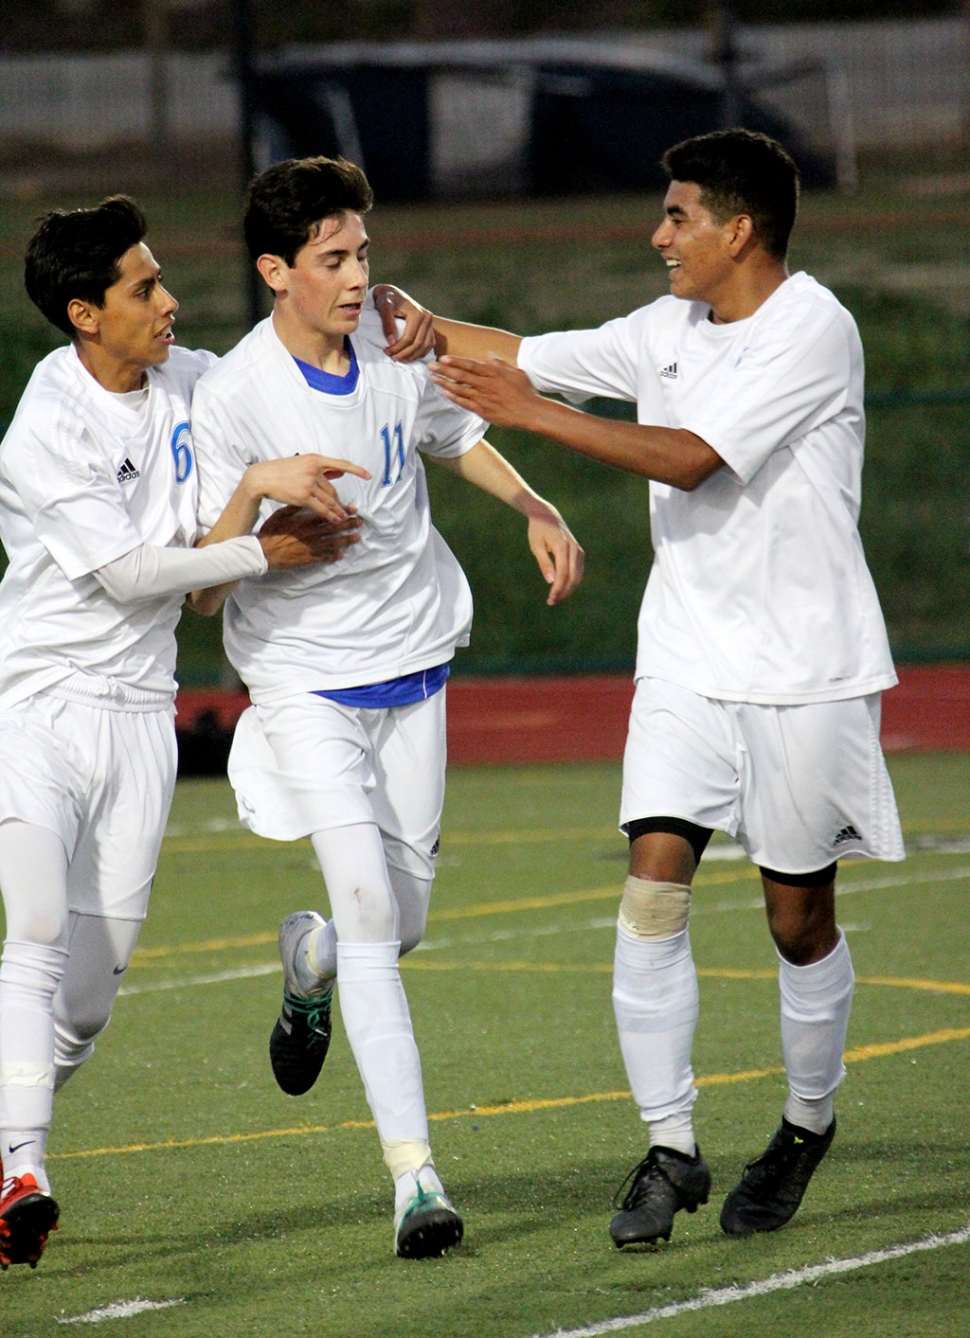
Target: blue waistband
{"type": "Point", "coordinates": [403, 691]}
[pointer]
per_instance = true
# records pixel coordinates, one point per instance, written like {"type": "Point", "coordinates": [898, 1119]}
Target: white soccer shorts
{"type": "Point", "coordinates": [797, 786]}
{"type": "Point", "coordinates": [102, 780]}
{"type": "Point", "coordinates": [307, 764]}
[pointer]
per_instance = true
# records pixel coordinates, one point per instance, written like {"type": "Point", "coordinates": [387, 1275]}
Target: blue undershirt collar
{"type": "Point", "coordinates": [327, 381]}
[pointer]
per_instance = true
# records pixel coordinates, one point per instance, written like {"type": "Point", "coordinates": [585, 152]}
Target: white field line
{"type": "Point", "coordinates": [119, 1310]}
{"type": "Point", "coordinates": [184, 982]}
{"type": "Point", "coordinates": [706, 1299]}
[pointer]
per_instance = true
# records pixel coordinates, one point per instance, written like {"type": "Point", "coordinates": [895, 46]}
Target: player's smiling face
{"type": "Point", "coordinates": [694, 245]}
{"type": "Point", "coordinates": [325, 287]}
{"type": "Point", "coordinates": [132, 330]}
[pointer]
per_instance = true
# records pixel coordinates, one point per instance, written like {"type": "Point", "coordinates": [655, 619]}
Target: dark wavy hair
{"type": "Point", "coordinates": [286, 203]}
{"type": "Point", "coordinates": [741, 172]}
{"type": "Point", "coordinates": [77, 253]}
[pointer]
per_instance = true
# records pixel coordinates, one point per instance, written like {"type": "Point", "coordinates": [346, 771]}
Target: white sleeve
{"type": "Point", "coordinates": [149, 572]}
{"type": "Point", "coordinates": [581, 363]}
{"type": "Point", "coordinates": [442, 428]}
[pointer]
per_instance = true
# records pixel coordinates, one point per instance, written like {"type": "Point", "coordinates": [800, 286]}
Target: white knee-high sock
{"type": "Point", "coordinates": [33, 881]}
{"type": "Point", "coordinates": [375, 1013]}
{"type": "Point", "coordinates": [655, 1002]}
{"type": "Point", "coordinates": [29, 975]}
{"type": "Point", "coordinates": [815, 1005]}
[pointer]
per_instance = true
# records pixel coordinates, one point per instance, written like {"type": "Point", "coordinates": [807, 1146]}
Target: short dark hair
{"type": "Point", "coordinates": [77, 253]}
{"type": "Point", "coordinates": [741, 172]}
{"type": "Point", "coordinates": [284, 204]}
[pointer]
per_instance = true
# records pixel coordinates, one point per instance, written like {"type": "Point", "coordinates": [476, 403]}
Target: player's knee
{"type": "Point", "coordinates": [650, 910]}
{"type": "Point", "coordinates": [74, 1036]}
{"type": "Point", "coordinates": [46, 929]}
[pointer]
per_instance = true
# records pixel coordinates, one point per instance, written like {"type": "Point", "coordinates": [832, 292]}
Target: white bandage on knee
{"type": "Point", "coordinates": [650, 910]}
{"type": "Point", "coordinates": [405, 1154]}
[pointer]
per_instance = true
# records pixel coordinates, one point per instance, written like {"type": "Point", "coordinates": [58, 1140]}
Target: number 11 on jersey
{"type": "Point", "coordinates": [391, 452]}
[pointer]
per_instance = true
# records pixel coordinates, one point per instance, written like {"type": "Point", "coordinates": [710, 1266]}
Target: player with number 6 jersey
{"type": "Point", "coordinates": [97, 517]}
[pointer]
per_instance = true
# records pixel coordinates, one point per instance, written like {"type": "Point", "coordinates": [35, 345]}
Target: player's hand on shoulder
{"type": "Point", "coordinates": [416, 340]}
{"type": "Point", "coordinates": [495, 390]}
{"type": "Point", "coordinates": [293, 536]}
{"type": "Point", "coordinates": [560, 557]}
{"type": "Point", "coordinates": [304, 480]}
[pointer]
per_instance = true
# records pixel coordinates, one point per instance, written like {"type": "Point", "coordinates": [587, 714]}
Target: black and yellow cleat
{"type": "Point", "coordinates": [773, 1185]}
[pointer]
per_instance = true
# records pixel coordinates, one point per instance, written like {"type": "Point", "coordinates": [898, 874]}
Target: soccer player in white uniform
{"type": "Point", "coordinates": [345, 741]}
{"type": "Point", "coordinates": [97, 516]}
{"type": "Point", "coordinates": [762, 648]}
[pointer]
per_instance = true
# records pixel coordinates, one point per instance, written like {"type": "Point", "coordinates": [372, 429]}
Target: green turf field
{"type": "Point", "coordinates": [186, 1177]}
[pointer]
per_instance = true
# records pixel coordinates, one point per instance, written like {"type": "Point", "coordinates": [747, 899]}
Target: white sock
{"type": "Point", "coordinates": [29, 975]}
{"type": "Point", "coordinates": [655, 1002]}
{"type": "Point", "coordinates": [375, 1014]}
{"type": "Point", "coordinates": [815, 1005]}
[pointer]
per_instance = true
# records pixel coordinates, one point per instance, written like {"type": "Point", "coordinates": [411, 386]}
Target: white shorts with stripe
{"type": "Point", "coordinates": [797, 786]}
{"type": "Point", "coordinates": [306, 764]}
{"type": "Point", "coordinates": [102, 780]}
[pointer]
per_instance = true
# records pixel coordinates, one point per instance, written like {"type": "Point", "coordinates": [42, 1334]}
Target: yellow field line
{"type": "Point", "coordinates": [854, 1056]}
{"type": "Point", "coordinates": [710, 973]}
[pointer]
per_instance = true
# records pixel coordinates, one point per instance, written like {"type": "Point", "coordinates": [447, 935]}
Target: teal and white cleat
{"type": "Point", "coordinates": [427, 1224]}
{"type": "Point", "coordinates": [301, 1037]}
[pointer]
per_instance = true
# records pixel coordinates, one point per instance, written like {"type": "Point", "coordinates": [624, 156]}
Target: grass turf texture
{"type": "Point", "coordinates": [267, 1216]}
{"type": "Point", "coordinates": [560, 264]}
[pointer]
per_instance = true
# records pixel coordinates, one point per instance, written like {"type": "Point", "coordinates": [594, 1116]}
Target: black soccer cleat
{"type": "Point", "coordinates": [662, 1184]}
{"type": "Point", "coordinates": [299, 1042]}
{"type": "Point", "coordinates": [301, 1037]}
{"type": "Point", "coordinates": [771, 1187]}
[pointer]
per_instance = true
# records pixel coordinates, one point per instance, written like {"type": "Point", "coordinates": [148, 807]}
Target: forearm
{"type": "Point", "coordinates": [151, 572]}
{"type": "Point", "coordinates": [486, 469]}
{"type": "Point", "coordinates": [239, 514]}
{"type": "Point", "coordinates": [474, 341]}
{"type": "Point", "coordinates": [664, 454]}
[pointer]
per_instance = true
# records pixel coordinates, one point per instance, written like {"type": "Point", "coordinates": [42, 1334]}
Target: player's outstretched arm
{"type": "Point", "coordinates": [423, 330]}
{"type": "Point", "coordinates": [505, 396]}
{"type": "Point", "coordinates": [299, 482]}
{"type": "Point", "coordinates": [294, 480]}
{"type": "Point", "coordinates": [559, 556]}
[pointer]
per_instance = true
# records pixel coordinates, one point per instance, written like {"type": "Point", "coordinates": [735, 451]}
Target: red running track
{"type": "Point", "coordinates": [583, 718]}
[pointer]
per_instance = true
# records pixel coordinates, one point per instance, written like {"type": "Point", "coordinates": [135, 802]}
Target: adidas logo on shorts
{"type": "Point", "coordinates": [127, 473]}
{"type": "Point", "coordinates": [669, 372]}
{"type": "Point", "coordinates": [848, 833]}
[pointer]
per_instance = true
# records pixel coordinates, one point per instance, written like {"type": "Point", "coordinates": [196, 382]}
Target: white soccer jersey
{"type": "Point", "coordinates": [86, 477]}
{"type": "Point", "coordinates": [397, 601]}
{"type": "Point", "coordinates": [759, 590]}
